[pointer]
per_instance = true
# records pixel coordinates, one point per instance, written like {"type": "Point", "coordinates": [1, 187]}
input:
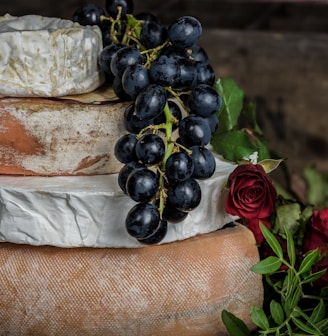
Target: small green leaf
{"type": "Point", "coordinates": [262, 150]}
{"type": "Point", "coordinates": [301, 325]}
{"type": "Point", "coordinates": [272, 241]}
{"type": "Point", "coordinates": [323, 326]}
{"type": "Point", "coordinates": [233, 146]}
{"type": "Point", "coordinates": [277, 312]}
{"type": "Point", "coordinates": [259, 318]}
{"type": "Point", "coordinates": [270, 165]}
{"type": "Point", "coordinates": [316, 186]}
{"type": "Point", "coordinates": [313, 277]}
{"type": "Point", "coordinates": [250, 113]}
{"type": "Point", "coordinates": [310, 259]}
{"type": "Point", "coordinates": [318, 312]}
{"type": "Point", "coordinates": [232, 103]}
{"type": "Point", "coordinates": [267, 266]}
{"type": "Point", "coordinates": [290, 247]}
{"type": "Point", "coordinates": [234, 325]}
{"type": "Point", "coordinates": [288, 215]}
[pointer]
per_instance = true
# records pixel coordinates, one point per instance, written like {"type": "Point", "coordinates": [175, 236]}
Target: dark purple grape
{"type": "Point", "coordinates": [119, 89]}
{"type": "Point", "coordinates": [194, 131]}
{"type": "Point", "coordinates": [142, 185]}
{"type": "Point", "coordinates": [124, 149]}
{"type": "Point", "coordinates": [135, 78]}
{"type": "Point", "coordinates": [132, 123]}
{"type": "Point", "coordinates": [89, 15]}
{"type": "Point", "coordinates": [204, 162]}
{"type": "Point", "coordinates": [179, 167]}
{"type": "Point", "coordinates": [198, 54]}
{"type": "Point", "coordinates": [172, 214]}
{"type": "Point", "coordinates": [165, 71]}
{"type": "Point", "coordinates": [172, 52]}
{"type": "Point", "coordinates": [106, 56]}
{"type": "Point", "coordinates": [150, 102]}
{"type": "Point", "coordinates": [204, 100]}
{"type": "Point", "coordinates": [213, 122]}
{"type": "Point", "coordinates": [204, 74]}
{"type": "Point", "coordinates": [187, 74]}
{"type": "Point", "coordinates": [184, 32]}
{"type": "Point", "coordinates": [150, 149]}
{"type": "Point", "coordinates": [142, 220]}
{"type": "Point", "coordinates": [125, 172]}
{"type": "Point", "coordinates": [185, 195]}
{"type": "Point", "coordinates": [153, 34]}
{"type": "Point", "coordinates": [157, 236]}
{"type": "Point", "coordinates": [112, 10]}
{"type": "Point", "coordinates": [124, 57]}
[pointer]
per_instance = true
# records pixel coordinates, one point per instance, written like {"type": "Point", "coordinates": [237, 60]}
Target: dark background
{"type": "Point", "coordinates": [277, 52]}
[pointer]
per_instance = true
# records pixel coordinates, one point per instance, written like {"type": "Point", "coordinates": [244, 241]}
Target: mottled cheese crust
{"type": "Point", "coordinates": [48, 57]}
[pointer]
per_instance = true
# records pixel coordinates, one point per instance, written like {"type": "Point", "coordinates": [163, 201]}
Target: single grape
{"type": "Point", "coordinates": [119, 89]}
{"type": "Point", "coordinates": [184, 32]}
{"type": "Point", "coordinates": [125, 148]}
{"type": "Point", "coordinates": [172, 214]}
{"type": "Point", "coordinates": [112, 7]}
{"type": "Point", "coordinates": [172, 52]}
{"type": "Point", "coordinates": [213, 122]}
{"type": "Point", "coordinates": [142, 220]}
{"type": "Point", "coordinates": [204, 162]}
{"type": "Point", "coordinates": [125, 172]}
{"type": "Point", "coordinates": [131, 122]}
{"type": "Point", "coordinates": [150, 149]}
{"type": "Point", "coordinates": [204, 74]}
{"type": "Point", "coordinates": [106, 56]}
{"type": "Point", "coordinates": [157, 236]}
{"type": "Point", "coordinates": [89, 15]}
{"type": "Point", "coordinates": [194, 131]}
{"type": "Point", "coordinates": [184, 195]}
{"type": "Point", "coordinates": [204, 100]}
{"type": "Point", "coordinates": [179, 167]}
{"type": "Point", "coordinates": [198, 54]}
{"type": "Point", "coordinates": [135, 78]}
{"type": "Point", "coordinates": [124, 57]}
{"type": "Point", "coordinates": [150, 102]}
{"type": "Point", "coordinates": [165, 71]}
{"type": "Point", "coordinates": [187, 74]}
{"type": "Point", "coordinates": [142, 185]}
{"type": "Point", "coordinates": [153, 34]}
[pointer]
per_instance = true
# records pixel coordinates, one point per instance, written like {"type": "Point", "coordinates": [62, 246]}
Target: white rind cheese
{"type": "Point", "coordinates": [48, 57]}
{"type": "Point", "coordinates": [75, 211]}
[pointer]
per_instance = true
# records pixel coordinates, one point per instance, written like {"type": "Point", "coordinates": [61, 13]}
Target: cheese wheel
{"type": "Point", "coordinates": [80, 211]}
{"type": "Point", "coordinates": [173, 289]}
{"type": "Point", "coordinates": [59, 137]}
{"type": "Point", "coordinates": [48, 57]}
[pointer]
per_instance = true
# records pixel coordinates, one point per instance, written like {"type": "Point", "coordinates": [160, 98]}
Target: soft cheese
{"type": "Point", "coordinates": [48, 57]}
{"type": "Point", "coordinates": [90, 210]}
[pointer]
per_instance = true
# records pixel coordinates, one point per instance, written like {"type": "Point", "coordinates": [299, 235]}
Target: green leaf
{"type": "Point", "coordinates": [232, 103]}
{"type": "Point", "coordinates": [259, 318]}
{"type": "Point", "coordinates": [313, 277]}
{"type": "Point", "coordinates": [250, 113]}
{"type": "Point", "coordinates": [323, 326]}
{"type": "Point", "coordinates": [277, 312]}
{"type": "Point", "coordinates": [316, 186]}
{"type": "Point", "coordinates": [262, 149]}
{"type": "Point", "coordinates": [270, 165]}
{"type": "Point", "coordinates": [318, 312]}
{"type": "Point", "coordinates": [272, 241]}
{"type": "Point", "coordinates": [135, 25]}
{"type": "Point", "coordinates": [301, 325]}
{"type": "Point", "coordinates": [234, 325]}
{"type": "Point", "coordinates": [267, 266]}
{"type": "Point", "coordinates": [233, 146]}
{"type": "Point", "coordinates": [288, 215]}
{"type": "Point", "coordinates": [310, 259]}
{"type": "Point", "coordinates": [290, 247]}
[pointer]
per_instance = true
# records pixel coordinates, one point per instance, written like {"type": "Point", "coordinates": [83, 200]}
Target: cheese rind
{"type": "Point", "coordinates": [59, 137]}
{"type": "Point", "coordinates": [179, 288]}
{"type": "Point", "coordinates": [48, 57]}
{"type": "Point", "coordinates": [73, 211]}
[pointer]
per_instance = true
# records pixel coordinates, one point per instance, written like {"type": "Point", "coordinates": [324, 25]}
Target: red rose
{"type": "Point", "coordinates": [316, 235]}
{"type": "Point", "coordinates": [251, 194]}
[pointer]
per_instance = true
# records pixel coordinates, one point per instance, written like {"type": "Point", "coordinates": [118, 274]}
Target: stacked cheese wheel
{"type": "Point", "coordinates": [60, 272]}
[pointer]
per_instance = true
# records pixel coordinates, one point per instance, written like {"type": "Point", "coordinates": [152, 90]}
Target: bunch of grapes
{"type": "Point", "coordinates": [171, 117]}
